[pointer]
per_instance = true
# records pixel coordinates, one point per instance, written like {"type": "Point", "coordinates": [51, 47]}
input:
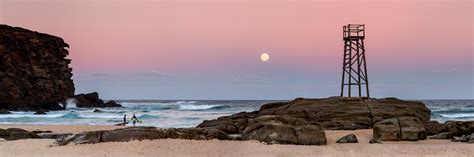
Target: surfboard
{"type": "Point", "coordinates": [137, 121]}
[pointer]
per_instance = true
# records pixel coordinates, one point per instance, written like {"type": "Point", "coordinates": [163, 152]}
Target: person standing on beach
{"type": "Point", "coordinates": [124, 120]}
{"type": "Point", "coordinates": [134, 119]}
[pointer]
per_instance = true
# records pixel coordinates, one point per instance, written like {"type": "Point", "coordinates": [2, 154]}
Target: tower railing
{"type": "Point", "coordinates": [356, 31]}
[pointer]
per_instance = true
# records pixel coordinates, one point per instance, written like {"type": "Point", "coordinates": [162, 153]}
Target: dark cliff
{"type": "Point", "coordinates": [34, 70]}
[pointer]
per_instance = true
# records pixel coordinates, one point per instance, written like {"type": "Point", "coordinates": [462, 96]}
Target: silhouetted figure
{"type": "Point", "coordinates": [134, 119]}
{"type": "Point", "coordinates": [124, 120]}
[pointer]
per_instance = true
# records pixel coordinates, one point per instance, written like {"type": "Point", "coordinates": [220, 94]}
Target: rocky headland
{"type": "Point", "coordinates": [35, 73]}
{"type": "Point", "coordinates": [34, 70]}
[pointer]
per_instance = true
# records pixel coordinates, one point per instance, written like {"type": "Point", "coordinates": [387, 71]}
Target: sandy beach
{"type": "Point", "coordinates": [216, 148]}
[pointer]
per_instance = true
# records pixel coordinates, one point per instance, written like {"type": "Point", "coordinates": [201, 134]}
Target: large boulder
{"type": "Point", "coordinates": [393, 107]}
{"type": "Point", "coordinates": [93, 100]}
{"type": "Point", "coordinates": [387, 130]}
{"type": "Point", "coordinates": [34, 70]}
{"type": "Point", "coordinates": [284, 130]}
{"type": "Point", "coordinates": [399, 129]}
{"type": "Point", "coordinates": [332, 113]}
{"type": "Point", "coordinates": [411, 129]}
{"type": "Point", "coordinates": [233, 124]}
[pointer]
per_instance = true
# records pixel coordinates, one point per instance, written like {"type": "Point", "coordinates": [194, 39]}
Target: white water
{"type": "Point", "coordinates": [71, 103]}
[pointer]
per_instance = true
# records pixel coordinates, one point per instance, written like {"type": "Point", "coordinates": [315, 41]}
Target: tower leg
{"type": "Point", "coordinates": [358, 69]}
{"type": "Point", "coordinates": [343, 68]}
{"type": "Point", "coordinates": [350, 70]}
{"type": "Point", "coordinates": [365, 69]}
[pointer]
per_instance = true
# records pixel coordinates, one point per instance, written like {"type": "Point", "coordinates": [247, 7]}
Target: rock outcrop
{"type": "Point", "coordinates": [399, 129]}
{"type": "Point", "coordinates": [16, 134]}
{"type": "Point", "coordinates": [459, 128]}
{"type": "Point", "coordinates": [143, 133]}
{"type": "Point", "coordinates": [332, 113]}
{"type": "Point", "coordinates": [456, 131]}
{"type": "Point", "coordinates": [308, 134]}
{"type": "Point", "coordinates": [34, 70]}
{"type": "Point", "coordinates": [93, 100]}
{"type": "Point", "coordinates": [456, 128]}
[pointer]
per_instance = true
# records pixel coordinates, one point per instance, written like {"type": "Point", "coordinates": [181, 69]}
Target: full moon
{"type": "Point", "coordinates": [264, 57]}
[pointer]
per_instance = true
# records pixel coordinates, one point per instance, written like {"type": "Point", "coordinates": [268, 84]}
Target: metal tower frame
{"type": "Point", "coordinates": [354, 69]}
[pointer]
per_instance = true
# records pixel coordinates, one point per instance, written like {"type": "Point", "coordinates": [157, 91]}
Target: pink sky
{"type": "Point", "coordinates": [225, 37]}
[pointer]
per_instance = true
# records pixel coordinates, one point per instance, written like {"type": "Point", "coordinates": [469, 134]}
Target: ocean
{"type": "Point", "coordinates": [186, 113]}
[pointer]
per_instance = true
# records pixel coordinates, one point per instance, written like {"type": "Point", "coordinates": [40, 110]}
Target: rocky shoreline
{"type": "Point", "coordinates": [294, 122]}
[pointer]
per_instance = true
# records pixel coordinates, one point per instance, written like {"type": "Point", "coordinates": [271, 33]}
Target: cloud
{"type": "Point", "coordinates": [392, 85]}
{"type": "Point", "coordinates": [159, 74]}
{"type": "Point", "coordinates": [251, 79]}
{"type": "Point", "coordinates": [452, 70]}
{"type": "Point", "coordinates": [101, 74]}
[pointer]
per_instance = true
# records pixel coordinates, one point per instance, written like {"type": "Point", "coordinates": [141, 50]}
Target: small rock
{"type": "Point", "coordinates": [41, 112]}
{"type": "Point", "coordinates": [93, 100]}
{"type": "Point", "coordinates": [443, 135]}
{"type": "Point", "coordinates": [471, 139]}
{"type": "Point", "coordinates": [97, 110]}
{"type": "Point", "coordinates": [456, 139]}
{"type": "Point", "coordinates": [16, 130]}
{"type": "Point", "coordinates": [57, 136]}
{"type": "Point", "coordinates": [41, 131]}
{"type": "Point", "coordinates": [465, 138]}
{"type": "Point", "coordinates": [120, 124]}
{"type": "Point", "coordinates": [372, 141]}
{"type": "Point", "coordinates": [112, 103]}
{"type": "Point", "coordinates": [3, 111]}
{"type": "Point", "coordinates": [235, 137]}
{"type": "Point", "coordinates": [351, 138]}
